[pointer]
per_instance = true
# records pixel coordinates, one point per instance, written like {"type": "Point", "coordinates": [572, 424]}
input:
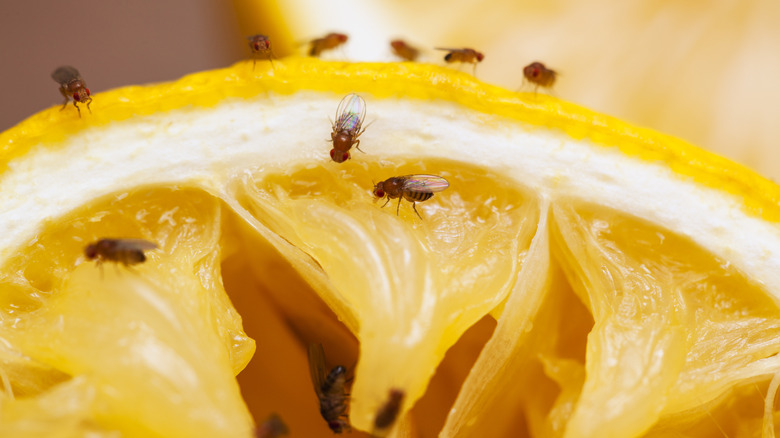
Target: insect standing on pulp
{"type": "Point", "coordinates": [463, 55]}
{"type": "Point", "coordinates": [346, 129]}
{"type": "Point", "coordinates": [331, 389]}
{"type": "Point", "coordinates": [404, 51]}
{"type": "Point", "coordinates": [328, 42]}
{"type": "Point", "coordinates": [538, 74]}
{"type": "Point", "coordinates": [72, 86]}
{"type": "Point", "coordinates": [125, 251]}
{"type": "Point", "coordinates": [272, 427]}
{"type": "Point", "coordinates": [413, 188]}
{"type": "Point", "coordinates": [260, 46]}
{"type": "Point", "coordinates": [386, 415]}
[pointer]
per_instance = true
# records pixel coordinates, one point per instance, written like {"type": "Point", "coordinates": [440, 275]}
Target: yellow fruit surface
{"type": "Point", "coordinates": [580, 277]}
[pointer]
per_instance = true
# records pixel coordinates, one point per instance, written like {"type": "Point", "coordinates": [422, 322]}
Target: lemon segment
{"type": "Point", "coordinates": [161, 331]}
{"type": "Point", "coordinates": [414, 285]}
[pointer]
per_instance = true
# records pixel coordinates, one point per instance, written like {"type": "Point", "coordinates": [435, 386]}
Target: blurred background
{"type": "Point", "coordinates": [705, 71]}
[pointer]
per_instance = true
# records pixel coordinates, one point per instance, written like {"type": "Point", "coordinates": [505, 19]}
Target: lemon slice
{"type": "Point", "coordinates": [633, 278]}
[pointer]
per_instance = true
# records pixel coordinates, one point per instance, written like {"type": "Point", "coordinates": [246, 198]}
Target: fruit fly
{"type": "Point", "coordinates": [387, 414]}
{"type": "Point", "coordinates": [72, 86]}
{"type": "Point", "coordinates": [346, 129]}
{"type": "Point", "coordinates": [413, 188]}
{"type": "Point", "coordinates": [538, 74]}
{"type": "Point", "coordinates": [331, 389]}
{"type": "Point", "coordinates": [260, 45]}
{"type": "Point", "coordinates": [463, 55]}
{"type": "Point", "coordinates": [404, 51]}
{"type": "Point", "coordinates": [125, 251]}
{"type": "Point", "coordinates": [329, 41]}
{"type": "Point", "coordinates": [272, 427]}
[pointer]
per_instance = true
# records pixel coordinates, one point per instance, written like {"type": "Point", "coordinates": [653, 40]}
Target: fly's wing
{"type": "Point", "coordinates": [447, 49]}
{"type": "Point", "coordinates": [135, 244]}
{"type": "Point", "coordinates": [350, 114]}
{"type": "Point", "coordinates": [317, 366]}
{"type": "Point", "coordinates": [424, 183]}
{"type": "Point", "coordinates": [65, 74]}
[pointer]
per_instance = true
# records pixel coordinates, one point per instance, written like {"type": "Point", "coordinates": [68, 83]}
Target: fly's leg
{"type": "Point", "coordinates": [415, 209]}
{"type": "Point", "coordinates": [397, 209]}
{"type": "Point", "coordinates": [388, 200]}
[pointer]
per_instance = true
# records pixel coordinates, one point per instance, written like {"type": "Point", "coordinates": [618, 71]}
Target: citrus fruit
{"type": "Point", "coordinates": [580, 277]}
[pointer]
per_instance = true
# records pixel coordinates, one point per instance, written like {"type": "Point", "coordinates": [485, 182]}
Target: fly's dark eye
{"type": "Point", "coordinates": [379, 193]}
{"type": "Point", "coordinates": [88, 93]}
{"type": "Point", "coordinates": [345, 157]}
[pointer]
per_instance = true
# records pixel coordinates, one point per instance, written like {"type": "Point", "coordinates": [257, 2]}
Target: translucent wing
{"type": "Point", "coordinates": [350, 114]}
{"type": "Point", "coordinates": [425, 183]}
{"type": "Point", "coordinates": [447, 49]}
{"type": "Point", "coordinates": [317, 366]}
{"type": "Point", "coordinates": [65, 74]}
{"type": "Point", "coordinates": [134, 244]}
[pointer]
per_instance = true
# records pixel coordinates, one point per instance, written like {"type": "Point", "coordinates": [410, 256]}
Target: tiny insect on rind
{"type": "Point", "coordinates": [538, 74]}
{"type": "Point", "coordinates": [260, 45]}
{"type": "Point", "coordinates": [404, 50]}
{"type": "Point", "coordinates": [466, 55]}
{"type": "Point", "coordinates": [329, 41]}
{"type": "Point", "coordinates": [72, 87]}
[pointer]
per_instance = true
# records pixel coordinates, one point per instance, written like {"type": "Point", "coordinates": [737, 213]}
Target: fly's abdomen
{"type": "Point", "coordinates": [417, 196]}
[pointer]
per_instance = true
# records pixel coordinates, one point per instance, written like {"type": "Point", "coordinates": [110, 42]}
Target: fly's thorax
{"type": "Point", "coordinates": [394, 187]}
{"type": "Point", "coordinates": [342, 140]}
{"type": "Point", "coordinates": [335, 380]}
{"type": "Point", "coordinates": [75, 86]}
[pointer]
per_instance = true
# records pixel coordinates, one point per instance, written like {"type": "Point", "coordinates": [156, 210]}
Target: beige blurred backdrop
{"type": "Point", "coordinates": [111, 43]}
{"type": "Point", "coordinates": [704, 71]}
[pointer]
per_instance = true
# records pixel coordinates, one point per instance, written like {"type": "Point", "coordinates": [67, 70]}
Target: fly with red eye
{"type": "Point", "coordinates": [260, 45]}
{"type": "Point", "coordinates": [413, 188]}
{"type": "Point", "coordinates": [72, 86]}
{"type": "Point", "coordinates": [350, 115]}
{"type": "Point", "coordinates": [539, 75]}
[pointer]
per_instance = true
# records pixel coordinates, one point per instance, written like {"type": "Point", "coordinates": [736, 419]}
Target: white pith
{"type": "Point", "coordinates": [209, 146]}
